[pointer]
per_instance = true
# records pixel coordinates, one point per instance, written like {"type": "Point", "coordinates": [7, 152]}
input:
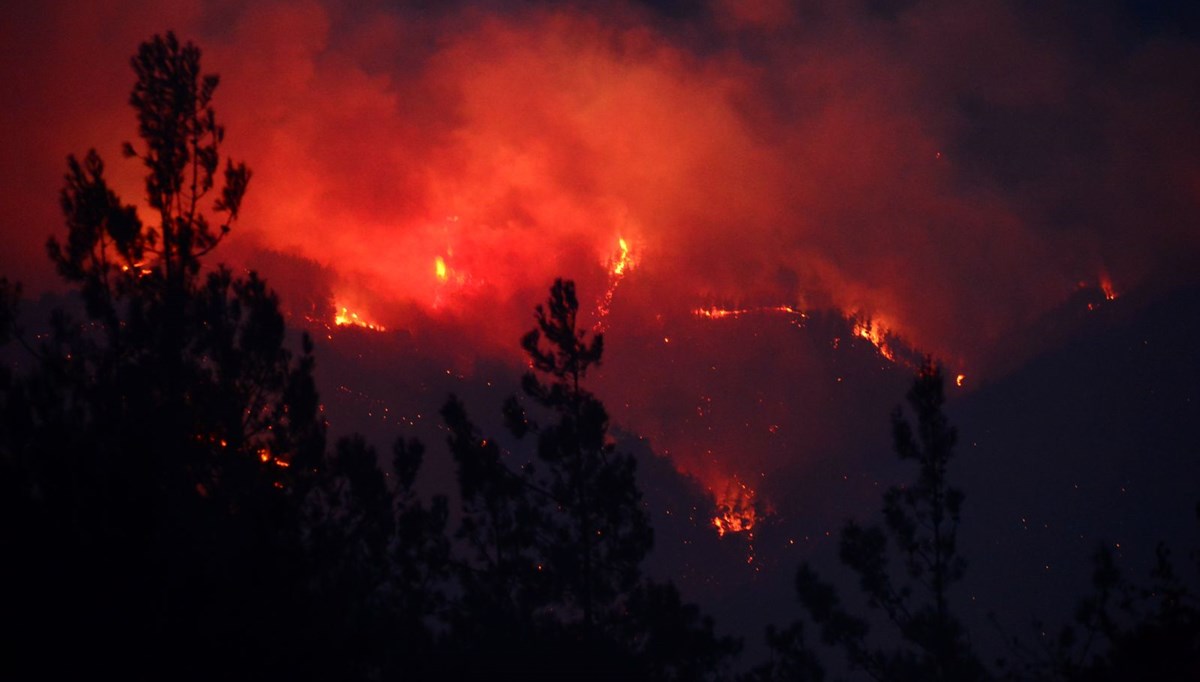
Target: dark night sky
{"type": "Point", "coordinates": [968, 175]}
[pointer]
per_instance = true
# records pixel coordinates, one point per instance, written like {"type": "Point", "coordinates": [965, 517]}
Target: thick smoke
{"type": "Point", "coordinates": [951, 170]}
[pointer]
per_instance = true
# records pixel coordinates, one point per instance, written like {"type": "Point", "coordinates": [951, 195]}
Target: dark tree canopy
{"type": "Point", "coordinates": [558, 537]}
{"type": "Point", "coordinates": [165, 440]}
{"type": "Point", "coordinates": [167, 489]}
{"type": "Point", "coordinates": [921, 520]}
{"type": "Point", "coordinates": [571, 520]}
{"type": "Point", "coordinates": [602, 534]}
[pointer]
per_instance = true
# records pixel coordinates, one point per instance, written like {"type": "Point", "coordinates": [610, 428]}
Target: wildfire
{"type": "Point", "coordinates": [138, 269]}
{"type": "Point", "coordinates": [622, 261]}
{"type": "Point", "coordinates": [715, 313]}
{"type": "Point", "coordinates": [265, 456]}
{"type": "Point", "coordinates": [1106, 285]}
{"type": "Point", "coordinates": [877, 334]}
{"type": "Point", "coordinates": [619, 264]}
{"type": "Point", "coordinates": [736, 512]}
{"type": "Point", "coordinates": [886, 342]}
{"type": "Point", "coordinates": [874, 332]}
{"type": "Point", "coordinates": [345, 318]}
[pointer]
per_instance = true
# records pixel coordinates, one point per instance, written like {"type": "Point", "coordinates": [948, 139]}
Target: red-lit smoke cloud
{"type": "Point", "coordinates": [950, 169]}
{"type": "Point", "coordinates": [753, 151]}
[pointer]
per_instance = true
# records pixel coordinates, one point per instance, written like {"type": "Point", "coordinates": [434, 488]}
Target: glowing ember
{"type": "Point", "coordinates": [1106, 285]}
{"type": "Point", "coordinates": [736, 512]}
{"type": "Point", "coordinates": [345, 318]}
{"type": "Point", "coordinates": [439, 268]}
{"type": "Point", "coordinates": [958, 380]}
{"type": "Point", "coordinates": [141, 269]}
{"type": "Point", "coordinates": [265, 456]}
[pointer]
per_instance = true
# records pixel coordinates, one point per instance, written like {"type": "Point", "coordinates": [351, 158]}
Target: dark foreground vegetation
{"type": "Point", "coordinates": [171, 507]}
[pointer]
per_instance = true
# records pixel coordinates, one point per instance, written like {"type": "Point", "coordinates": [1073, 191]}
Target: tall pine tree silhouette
{"type": "Point", "coordinates": [561, 536]}
{"type": "Point", "coordinates": [163, 444]}
{"type": "Point", "coordinates": [921, 520]}
{"type": "Point", "coordinates": [553, 585]}
{"type": "Point", "coordinates": [601, 534]}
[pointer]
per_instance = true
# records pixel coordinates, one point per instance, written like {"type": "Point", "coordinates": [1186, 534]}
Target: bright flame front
{"type": "Point", "coordinates": [736, 511]}
{"type": "Point", "coordinates": [877, 334]}
{"type": "Point", "coordinates": [344, 317]}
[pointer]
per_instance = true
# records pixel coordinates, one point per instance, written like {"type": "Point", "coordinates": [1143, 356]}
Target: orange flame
{"type": "Point", "coordinates": [141, 269]}
{"type": "Point", "coordinates": [265, 456]}
{"type": "Point", "coordinates": [623, 261]}
{"type": "Point", "coordinates": [439, 268]}
{"type": "Point", "coordinates": [880, 335]}
{"type": "Point", "coordinates": [877, 334]}
{"type": "Point", "coordinates": [1106, 285]}
{"type": "Point", "coordinates": [715, 313]}
{"type": "Point", "coordinates": [736, 512]}
{"type": "Point", "coordinates": [345, 318]}
{"type": "Point", "coordinates": [618, 265]}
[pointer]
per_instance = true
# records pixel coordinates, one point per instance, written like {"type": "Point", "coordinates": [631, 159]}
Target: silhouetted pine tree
{"type": "Point", "coordinates": [553, 587]}
{"type": "Point", "coordinates": [1122, 631]}
{"type": "Point", "coordinates": [670, 639]}
{"type": "Point", "coordinates": [921, 519]}
{"type": "Point", "coordinates": [380, 557]}
{"type": "Point", "coordinates": [601, 534]}
{"type": "Point", "coordinates": [163, 444]}
{"type": "Point", "coordinates": [1149, 631]}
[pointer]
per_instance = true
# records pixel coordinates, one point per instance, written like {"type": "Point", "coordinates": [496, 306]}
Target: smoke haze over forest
{"type": "Point", "coordinates": [772, 209]}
